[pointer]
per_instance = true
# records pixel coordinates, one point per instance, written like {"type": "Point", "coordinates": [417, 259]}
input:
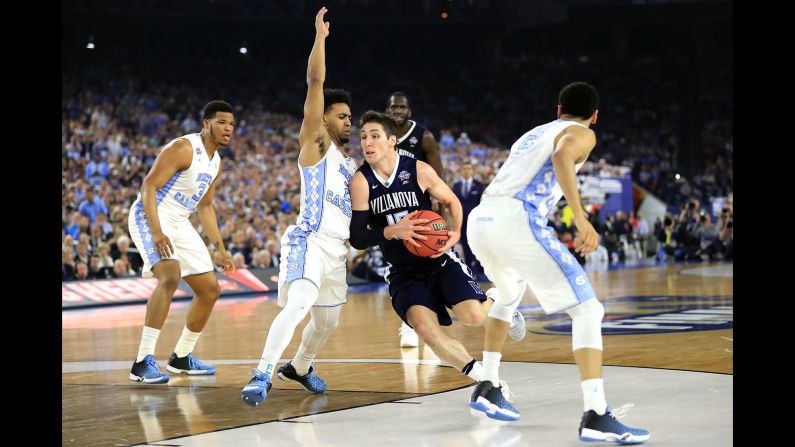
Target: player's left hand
{"type": "Point", "coordinates": [452, 239]}
{"type": "Point", "coordinates": [225, 259]}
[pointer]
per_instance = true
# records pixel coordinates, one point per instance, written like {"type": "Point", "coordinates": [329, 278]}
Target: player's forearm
{"type": "Point", "coordinates": [456, 212]}
{"type": "Point", "coordinates": [316, 68]}
{"type": "Point", "coordinates": [210, 224]}
{"type": "Point", "coordinates": [567, 179]}
{"type": "Point", "coordinates": [149, 200]}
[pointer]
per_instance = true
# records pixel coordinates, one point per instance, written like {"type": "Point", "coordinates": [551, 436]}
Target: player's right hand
{"type": "Point", "coordinates": [588, 239]}
{"type": "Point", "coordinates": [407, 227]}
{"type": "Point", "coordinates": [163, 245]}
{"type": "Point", "coordinates": [321, 27]}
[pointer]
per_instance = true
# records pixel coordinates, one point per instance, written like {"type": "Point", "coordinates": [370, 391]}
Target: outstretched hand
{"type": "Point", "coordinates": [321, 27]}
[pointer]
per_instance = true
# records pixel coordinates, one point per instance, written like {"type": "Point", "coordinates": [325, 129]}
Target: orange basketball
{"type": "Point", "coordinates": [437, 235]}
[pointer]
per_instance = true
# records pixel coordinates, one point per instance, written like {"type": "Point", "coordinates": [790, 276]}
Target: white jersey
{"type": "Point", "coordinates": [177, 199]}
{"type": "Point", "coordinates": [528, 174]}
{"type": "Point", "coordinates": [325, 197]}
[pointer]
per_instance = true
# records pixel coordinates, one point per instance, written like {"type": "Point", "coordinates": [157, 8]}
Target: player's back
{"type": "Point", "coordinates": [410, 145]}
{"type": "Point", "coordinates": [392, 199]}
{"type": "Point", "coordinates": [325, 198]}
{"type": "Point", "coordinates": [528, 173]}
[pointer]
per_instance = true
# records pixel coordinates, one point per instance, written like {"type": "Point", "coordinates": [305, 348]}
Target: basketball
{"type": "Point", "coordinates": [437, 235]}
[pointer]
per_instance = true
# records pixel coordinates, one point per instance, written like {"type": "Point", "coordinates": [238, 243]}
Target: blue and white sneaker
{"type": "Point", "coordinates": [147, 371]}
{"type": "Point", "coordinates": [189, 365]}
{"type": "Point", "coordinates": [311, 382]}
{"type": "Point", "coordinates": [596, 428]}
{"type": "Point", "coordinates": [493, 401]}
{"type": "Point", "coordinates": [257, 389]}
{"type": "Point", "coordinates": [518, 328]}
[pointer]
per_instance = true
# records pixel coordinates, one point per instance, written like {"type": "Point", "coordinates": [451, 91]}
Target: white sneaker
{"type": "Point", "coordinates": [408, 338]}
{"type": "Point", "coordinates": [518, 328]}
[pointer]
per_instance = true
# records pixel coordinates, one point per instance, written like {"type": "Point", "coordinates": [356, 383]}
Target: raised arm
{"type": "Point", "coordinates": [312, 137]}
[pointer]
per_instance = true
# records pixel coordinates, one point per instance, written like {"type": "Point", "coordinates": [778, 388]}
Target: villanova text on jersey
{"type": "Point", "coordinates": [390, 202]}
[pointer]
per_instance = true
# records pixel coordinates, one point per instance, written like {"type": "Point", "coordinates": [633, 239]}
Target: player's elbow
{"type": "Point", "coordinates": [357, 241]}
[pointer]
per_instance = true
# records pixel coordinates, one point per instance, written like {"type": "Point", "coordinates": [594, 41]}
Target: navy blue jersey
{"type": "Point", "coordinates": [389, 202]}
{"type": "Point", "coordinates": [410, 145]}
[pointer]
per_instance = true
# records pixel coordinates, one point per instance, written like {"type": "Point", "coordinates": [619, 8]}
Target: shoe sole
{"type": "Point", "coordinates": [191, 372]}
{"type": "Point", "coordinates": [162, 379]}
{"type": "Point", "coordinates": [285, 378]}
{"type": "Point", "coordinates": [493, 411]}
{"type": "Point", "coordinates": [589, 435]}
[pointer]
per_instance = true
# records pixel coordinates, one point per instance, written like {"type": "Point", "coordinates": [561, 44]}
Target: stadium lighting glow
{"type": "Point", "coordinates": [677, 176]}
{"type": "Point", "coordinates": [90, 45]}
{"type": "Point", "coordinates": [243, 50]}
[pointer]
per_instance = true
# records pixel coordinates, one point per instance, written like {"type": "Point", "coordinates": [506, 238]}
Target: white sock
{"type": "Point", "coordinates": [476, 373]}
{"type": "Point", "coordinates": [593, 395]}
{"type": "Point", "coordinates": [491, 367]}
{"type": "Point", "coordinates": [148, 342]}
{"type": "Point", "coordinates": [186, 342]}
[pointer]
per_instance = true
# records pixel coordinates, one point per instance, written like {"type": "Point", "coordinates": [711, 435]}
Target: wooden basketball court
{"type": "Point", "coordinates": [668, 332]}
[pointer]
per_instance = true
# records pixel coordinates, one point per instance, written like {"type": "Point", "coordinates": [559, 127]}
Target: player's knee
{"type": "Point", "coordinates": [169, 282]}
{"type": "Point", "coordinates": [424, 329]}
{"type": "Point", "coordinates": [214, 292]}
{"type": "Point", "coordinates": [472, 318]}
{"type": "Point", "coordinates": [586, 325]}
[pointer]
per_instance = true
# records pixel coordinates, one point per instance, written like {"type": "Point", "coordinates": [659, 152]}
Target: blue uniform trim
{"type": "Point", "coordinates": [296, 260]}
{"type": "Point", "coordinates": [567, 263]}
{"type": "Point", "coordinates": [146, 235]}
{"type": "Point", "coordinates": [540, 188]}
{"type": "Point", "coordinates": [314, 187]}
{"type": "Point", "coordinates": [161, 194]}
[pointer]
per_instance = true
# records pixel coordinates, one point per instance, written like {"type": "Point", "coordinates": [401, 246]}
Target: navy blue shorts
{"type": "Point", "coordinates": [437, 290]}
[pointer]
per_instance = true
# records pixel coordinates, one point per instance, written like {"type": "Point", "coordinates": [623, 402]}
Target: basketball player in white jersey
{"type": "Point", "coordinates": [182, 181]}
{"type": "Point", "coordinates": [540, 170]}
{"type": "Point", "coordinates": [312, 272]}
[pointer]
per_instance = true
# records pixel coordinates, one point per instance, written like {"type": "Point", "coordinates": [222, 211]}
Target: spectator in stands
{"type": "Point", "coordinates": [92, 205]}
{"type": "Point", "coordinates": [643, 232]}
{"type": "Point", "coordinates": [468, 190]}
{"type": "Point", "coordinates": [81, 272]}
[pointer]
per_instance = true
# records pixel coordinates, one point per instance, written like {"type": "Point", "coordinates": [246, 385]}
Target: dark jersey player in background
{"type": "Point", "coordinates": [413, 139]}
{"type": "Point", "coordinates": [386, 192]}
{"type": "Point", "coordinates": [416, 141]}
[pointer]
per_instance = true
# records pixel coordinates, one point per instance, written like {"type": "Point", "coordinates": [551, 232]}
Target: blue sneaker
{"type": "Point", "coordinates": [257, 389]}
{"type": "Point", "coordinates": [311, 382]}
{"type": "Point", "coordinates": [189, 365]}
{"type": "Point", "coordinates": [147, 371]}
{"type": "Point", "coordinates": [492, 401]}
{"type": "Point", "coordinates": [596, 428]}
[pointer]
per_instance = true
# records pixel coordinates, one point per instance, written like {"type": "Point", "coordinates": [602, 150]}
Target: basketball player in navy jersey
{"type": "Point", "coordinates": [416, 141]}
{"type": "Point", "coordinates": [386, 192]}
{"type": "Point", "coordinates": [541, 169]}
{"type": "Point", "coordinates": [312, 274]}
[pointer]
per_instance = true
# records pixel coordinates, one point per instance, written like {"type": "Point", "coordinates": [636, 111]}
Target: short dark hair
{"type": "Point", "coordinates": [578, 99]}
{"type": "Point", "coordinates": [398, 93]}
{"type": "Point", "coordinates": [335, 96]}
{"type": "Point", "coordinates": [214, 107]}
{"type": "Point", "coordinates": [386, 121]}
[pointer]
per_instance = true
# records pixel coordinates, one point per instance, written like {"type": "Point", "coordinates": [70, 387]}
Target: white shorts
{"type": "Point", "coordinates": [320, 259]}
{"type": "Point", "coordinates": [530, 256]}
{"type": "Point", "coordinates": [189, 249]}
